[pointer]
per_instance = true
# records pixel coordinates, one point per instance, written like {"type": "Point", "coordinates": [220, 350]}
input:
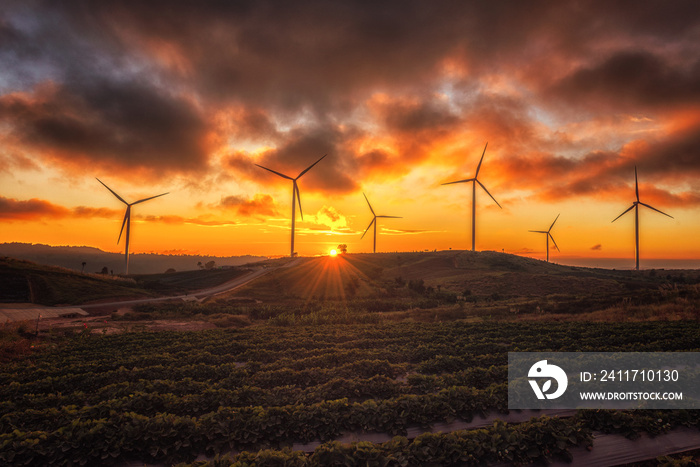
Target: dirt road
{"type": "Point", "coordinates": [198, 296]}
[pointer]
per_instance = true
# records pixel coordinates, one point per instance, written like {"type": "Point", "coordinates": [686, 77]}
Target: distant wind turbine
{"type": "Point", "coordinates": [474, 181]}
{"type": "Point", "coordinates": [127, 220]}
{"type": "Point", "coordinates": [548, 235]}
{"type": "Point", "coordinates": [635, 205]}
{"type": "Point", "coordinates": [374, 221]}
{"type": "Point", "coordinates": [295, 194]}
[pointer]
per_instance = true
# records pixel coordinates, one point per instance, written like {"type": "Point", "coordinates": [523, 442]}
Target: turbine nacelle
{"type": "Point", "coordinates": [127, 219]}
{"type": "Point", "coordinates": [374, 221]}
{"type": "Point", "coordinates": [474, 181]}
{"type": "Point", "coordinates": [296, 196]}
{"type": "Point", "coordinates": [548, 235]}
{"type": "Point", "coordinates": [635, 206]}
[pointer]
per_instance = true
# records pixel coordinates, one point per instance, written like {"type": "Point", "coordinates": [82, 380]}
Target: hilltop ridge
{"type": "Point", "coordinates": [483, 280]}
{"type": "Point", "coordinates": [72, 257]}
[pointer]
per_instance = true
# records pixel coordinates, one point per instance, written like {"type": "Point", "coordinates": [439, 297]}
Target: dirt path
{"type": "Point", "coordinates": [195, 296]}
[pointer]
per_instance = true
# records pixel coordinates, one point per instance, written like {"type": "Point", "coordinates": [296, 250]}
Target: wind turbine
{"type": "Point", "coordinates": [635, 205]}
{"type": "Point", "coordinates": [548, 236]}
{"type": "Point", "coordinates": [374, 221]}
{"type": "Point", "coordinates": [295, 194]}
{"type": "Point", "coordinates": [474, 181]}
{"type": "Point", "coordinates": [127, 220]}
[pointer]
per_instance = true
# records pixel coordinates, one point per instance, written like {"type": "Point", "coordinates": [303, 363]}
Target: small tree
{"type": "Point", "coordinates": [210, 265]}
{"type": "Point", "coordinates": [105, 270]}
{"type": "Point", "coordinates": [417, 285]}
{"type": "Point", "coordinates": [83, 268]}
{"type": "Point", "coordinates": [343, 248]}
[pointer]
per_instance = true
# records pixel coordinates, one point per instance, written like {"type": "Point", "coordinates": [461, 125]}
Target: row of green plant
{"type": "Point", "coordinates": [541, 440]}
{"type": "Point", "coordinates": [257, 425]}
{"type": "Point", "coordinates": [94, 395]}
{"type": "Point", "coordinates": [167, 438]}
{"type": "Point", "coordinates": [95, 361]}
{"type": "Point", "coordinates": [189, 397]}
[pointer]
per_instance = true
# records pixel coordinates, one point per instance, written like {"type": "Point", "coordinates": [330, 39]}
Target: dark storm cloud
{"type": "Point", "coordinates": [139, 84]}
{"type": "Point", "coordinates": [326, 55]}
{"type": "Point", "coordinates": [675, 156]}
{"type": "Point", "coordinates": [412, 117]}
{"type": "Point", "coordinates": [607, 175]}
{"type": "Point", "coordinates": [298, 150]}
{"type": "Point", "coordinates": [123, 126]}
{"type": "Point", "coordinates": [632, 80]}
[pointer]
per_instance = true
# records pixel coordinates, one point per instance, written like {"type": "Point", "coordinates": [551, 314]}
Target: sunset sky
{"type": "Point", "coordinates": [185, 97]}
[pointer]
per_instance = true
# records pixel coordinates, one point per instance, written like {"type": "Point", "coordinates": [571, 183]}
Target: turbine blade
{"type": "Point", "coordinates": [309, 167]}
{"type": "Point", "coordinates": [555, 221]}
{"type": "Point", "coordinates": [146, 199]}
{"type": "Point", "coordinates": [459, 181]}
{"type": "Point", "coordinates": [487, 192]}
{"type": "Point", "coordinates": [652, 207]}
{"type": "Point", "coordinates": [480, 161]}
{"type": "Point", "coordinates": [555, 243]}
{"type": "Point", "coordinates": [368, 227]}
{"type": "Point", "coordinates": [274, 172]}
{"type": "Point", "coordinates": [118, 197]}
{"type": "Point", "coordinates": [636, 184]}
{"type": "Point", "coordinates": [296, 189]}
{"type": "Point", "coordinates": [628, 210]}
{"type": "Point", "coordinates": [538, 231]}
{"type": "Point", "coordinates": [370, 206]}
{"type": "Point", "coordinates": [126, 217]}
{"type": "Point", "coordinates": [390, 217]}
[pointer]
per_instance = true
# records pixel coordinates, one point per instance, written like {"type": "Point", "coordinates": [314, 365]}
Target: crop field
{"type": "Point", "coordinates": [271, 395]}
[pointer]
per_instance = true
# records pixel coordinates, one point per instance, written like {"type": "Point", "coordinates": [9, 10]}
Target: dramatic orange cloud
{"type": "Point", "coordinates": [32, 209]}
{"type": "Point", "coordinates": [400, 95]}
{"type": "Point", "coordinates": [260, 205]}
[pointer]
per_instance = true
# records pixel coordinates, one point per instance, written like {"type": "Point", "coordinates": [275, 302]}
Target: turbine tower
{"type": "Point", "coordinates": [474, 181]}
{"type": "Point", "coordinates": [635, 205]}
{"type": "Point", "coordinates": [374, 221]}
{"type": "Point", "coordinates": [127, 221]}
{"type": "Point", "coordinates": [548, 236]}
{"type": "Point", "coordinates": [295, 194]}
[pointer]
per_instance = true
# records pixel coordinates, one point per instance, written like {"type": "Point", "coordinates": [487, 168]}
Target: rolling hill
{"type": "Point", "coordinates": [26, 281]}
{"type": "Point", "coordinates": [72, 257]}
{"type": "Point", "coordinates": [481, 278]}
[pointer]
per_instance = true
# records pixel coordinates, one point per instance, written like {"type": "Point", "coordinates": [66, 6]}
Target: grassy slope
{"type": "Point", "coordinates": [48, 285]}
{"type": "Point", "coordinates": [491, 278]}
{"type": "Point", "coordinates": [187, 281]}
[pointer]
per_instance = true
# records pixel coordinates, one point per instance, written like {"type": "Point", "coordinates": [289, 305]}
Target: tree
{"type": "Point", "coordinates": [342, 248]}
{"type": "Point", "coordinates": [200, 265]}
{"type": "Point", "coordinates": [210, 265]}
{"type": "Point", "coordinates": [105, 270]}
{"type": "Point", "coordinates": [83, 268]}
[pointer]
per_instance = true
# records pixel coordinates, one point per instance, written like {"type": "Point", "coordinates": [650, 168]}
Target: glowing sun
{"type": "Point", "coordinates": [333, 253]}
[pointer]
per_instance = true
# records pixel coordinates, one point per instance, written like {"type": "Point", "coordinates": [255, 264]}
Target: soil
{"type": "Point", "coordinates": [100, 324]}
